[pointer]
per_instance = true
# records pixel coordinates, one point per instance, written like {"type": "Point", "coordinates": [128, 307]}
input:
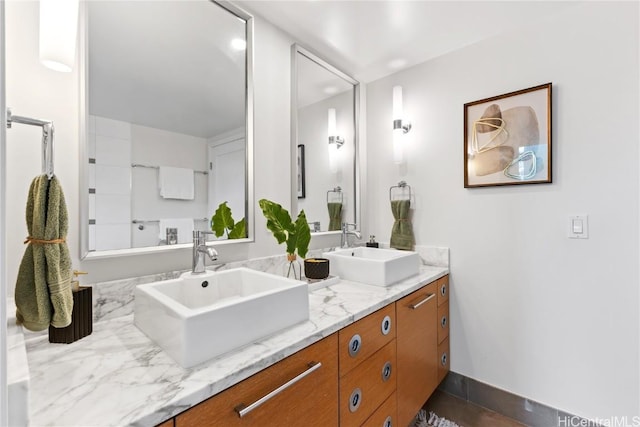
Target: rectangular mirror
{"type": "Point", "coordinates": [166, 115]}
{"type": "Point", "coordinates": [324, 123]}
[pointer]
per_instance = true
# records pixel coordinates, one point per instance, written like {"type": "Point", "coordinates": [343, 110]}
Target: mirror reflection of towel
{"type": "Point", "coordinates": [176, 183]}
{"type": "Point", "coordinates": [335, 215]}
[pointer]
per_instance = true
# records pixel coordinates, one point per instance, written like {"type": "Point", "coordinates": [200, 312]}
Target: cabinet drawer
{"type": "Point", "coordinates": [443, 289]}
{"type": "Point", "coordinates": [312, 398]}
{"type": "Point", "coordinates": [443, 360]}
{"type": "Point", "coordinates": [361, 339]}
{"type": "Point", "coordinates": [417, 350]}
{"type": "Point", "coordinates": [168, 423]}
{"type": "Point", "coordinates": [385, 415]}
{"type": "Point", "coordinates": [367, 386]}
{"type": "Point", "coordinates": [443, 322]}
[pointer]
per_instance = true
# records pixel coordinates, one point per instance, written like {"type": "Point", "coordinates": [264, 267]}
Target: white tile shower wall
{"type": "Point", "coordinates": [157, 147]}
{"type": "Point", "coordinates": [112, 183]}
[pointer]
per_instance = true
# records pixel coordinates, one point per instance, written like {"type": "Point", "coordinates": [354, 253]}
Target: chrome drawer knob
{"type": "Point", "coordinates": [387, 422]}
{"type": "Point", "coordinates": [443, 359]}
{"type": "Point", "coordinates": [355, 399]}
{"type": "Point", "coordinates": [386, 371]}
{"type": "Point", "coordinates": [386, 325]}
{"type": "Point", "coordinates": [443, 322]}
{"type": "Point", "coordinates": [355, 343]}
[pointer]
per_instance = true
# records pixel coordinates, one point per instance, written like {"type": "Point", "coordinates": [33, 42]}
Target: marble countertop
{"type": "Point", "coordinates": [117, 376]}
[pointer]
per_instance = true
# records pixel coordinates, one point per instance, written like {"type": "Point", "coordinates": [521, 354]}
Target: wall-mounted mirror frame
{"type": "Point", "coordinates": [85, 252]}
{"type": "Point", "coordinates": [298, 54]}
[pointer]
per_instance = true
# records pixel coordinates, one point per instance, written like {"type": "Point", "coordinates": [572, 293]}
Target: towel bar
{"type": "Point", "coordinates": [138, 165]}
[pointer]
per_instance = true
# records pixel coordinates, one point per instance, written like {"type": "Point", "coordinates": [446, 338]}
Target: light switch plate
{"type": "Point", "coordinates": [578, 227]}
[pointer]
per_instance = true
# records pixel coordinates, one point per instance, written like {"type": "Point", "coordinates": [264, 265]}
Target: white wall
{"type": "Point", "coordinates": [532, 312]}
{"type": "Point", "coordinates": [35, 91]}
{"type": "Point", "coordinates": [312, 133]}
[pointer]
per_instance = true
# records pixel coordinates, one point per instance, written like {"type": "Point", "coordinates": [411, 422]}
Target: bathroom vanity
{"type": "Point", "coordinates": [117, 376]}
{"type": "Point", "coordinates": [377, 371]}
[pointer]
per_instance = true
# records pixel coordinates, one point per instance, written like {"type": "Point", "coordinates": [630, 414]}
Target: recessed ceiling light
{"type": "Point", "coordinates": [397, 63]}
{"type": "Point", "coordinates": [329, 90]}
{"type": "Point", "coordinates": [239, 44]}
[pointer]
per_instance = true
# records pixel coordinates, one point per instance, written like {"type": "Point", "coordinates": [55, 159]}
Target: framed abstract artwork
{"type": "Point", "coordinates": [507, 139]}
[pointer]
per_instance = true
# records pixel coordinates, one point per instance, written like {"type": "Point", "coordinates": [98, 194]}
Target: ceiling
{"type": "Point", "coordinates": [164, 64]}
{"type": "Point", "coordinates": [167, 64]}
{"type": "Point", "coordinates": [316, 83]}
{"type": "Point", "coordinates": [370, 39]}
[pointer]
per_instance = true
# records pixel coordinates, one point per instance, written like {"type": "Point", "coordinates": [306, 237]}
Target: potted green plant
{"type": "Point", "coordinates": [222, 221]}
{"type": "Point", "coordinates": [296, 235]}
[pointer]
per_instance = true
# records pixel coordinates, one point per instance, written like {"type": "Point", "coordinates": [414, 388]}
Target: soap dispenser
{"type": "Point", "coordinates": [81, 316]}
{"type": "Point", "coordinates": [372, 242]}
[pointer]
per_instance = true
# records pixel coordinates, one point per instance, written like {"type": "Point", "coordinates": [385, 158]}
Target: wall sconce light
{"type": "Point", "coordinates": [58, 31]}
{"type": "Point", "coordinates": [335, 141]}
{"type": "Point", "coordinates": [399, 128]}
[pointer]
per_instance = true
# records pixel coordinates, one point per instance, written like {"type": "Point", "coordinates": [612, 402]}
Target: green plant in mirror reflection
{"type": "Point", "coordinates": [222, 221]}
{"type": "Point", "coordinates": [297, 235]}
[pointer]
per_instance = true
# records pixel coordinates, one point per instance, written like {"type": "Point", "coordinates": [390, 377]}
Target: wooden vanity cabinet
{"type": "Point", "coordinates": [395, 357]}
{"type": "Point", "coordinates": [417, 350]}
{"type": "Point", "coordinates": [310, 401]}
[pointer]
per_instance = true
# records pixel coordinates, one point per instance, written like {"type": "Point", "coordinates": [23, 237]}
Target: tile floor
{"type": "Point", "coordinates": [466, 414]}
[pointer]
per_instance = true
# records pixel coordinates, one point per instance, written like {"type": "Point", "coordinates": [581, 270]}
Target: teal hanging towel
{"type": "Point", "coordinates": [402, 231]}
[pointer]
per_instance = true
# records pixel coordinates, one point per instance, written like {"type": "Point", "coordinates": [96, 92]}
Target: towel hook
{"type": "Point", "coordinates": [47, 138]}
{"type": "Point", "coordinates": [336, 190]}
{"type": "Point", "coordinates": [402, 185]}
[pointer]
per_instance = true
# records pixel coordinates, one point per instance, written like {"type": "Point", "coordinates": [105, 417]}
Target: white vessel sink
{"type": "Point", "coordinates": [199, 316]}
{"type": "Point", "coordinates": [373, 266]}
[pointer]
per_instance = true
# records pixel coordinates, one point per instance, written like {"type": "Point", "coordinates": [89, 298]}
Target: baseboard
{"type": "Point", "coordinates": [519, 408]}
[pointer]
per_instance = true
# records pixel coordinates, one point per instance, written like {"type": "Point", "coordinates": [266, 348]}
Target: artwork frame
{"type": "Point", "coordinates": [301, 172]}
{"type": "Point", "coordinates": [507, 139]}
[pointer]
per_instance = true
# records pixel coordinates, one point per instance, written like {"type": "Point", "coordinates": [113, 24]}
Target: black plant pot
{"type": "Point", "coordinates": [316, 268]}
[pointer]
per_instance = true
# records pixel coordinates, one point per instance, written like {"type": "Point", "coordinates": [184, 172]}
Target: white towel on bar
{"type": "Point", "coordinates": [176, 183]}
{"type": "Point", "coordinates": [184, 226]}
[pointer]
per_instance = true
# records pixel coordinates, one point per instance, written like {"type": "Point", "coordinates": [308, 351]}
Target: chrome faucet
{"type": "Point", "coordinates": [200, 249]}
{"type": "Point", "coordinates": [344, 240]}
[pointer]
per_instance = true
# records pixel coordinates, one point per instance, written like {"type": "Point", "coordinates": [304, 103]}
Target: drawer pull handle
{"type": "Point", "coordinates": [418, 304]}
{"type": "Point", "coordinates": [443, 359]}
{"type": "Point", "coordinates": [443, 290]}
{"type": "Point", "coordinates": [443, 322]}
{"type": "Point", "coordinates": [355, 343]}
{"type": "Point", "coordinates": [386, 325]}
{"type": "Point", "coordinates": [243, 410]}
{"type": "Point", "coordinates": [354, 400]}
{"type": "Point", "coordinates": [386, 371]}
{"type": "Point", "coordinates": [387, 422]}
